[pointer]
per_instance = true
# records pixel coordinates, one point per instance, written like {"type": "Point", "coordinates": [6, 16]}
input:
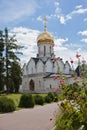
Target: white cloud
{"type": "Point", "coordinates": [57, 14]}
{"type": "Point", "coordinates": [39, 18]}
{"type": "Point", "coordinates": [57, 7]}
{"type": "Point", "coordinates": [84, 40]}
{"type": "Point", "coordinates": [63, 18]}
{"type": "Point", "coordinates": [61, 50]}
{"type": "Point", "coordinates": [60, 41]}
{"type": "Point", "coordinates": [12, 10]}
{"type": "Point", "coordinates": [79, 11]}
{"type": "Point", "coordinates": [83, 33]}
{"type": "Point", "coordinates": [56, 3]}
{"type": "Point", "coordinates": [78, 6]}
{"type": "Point", "coordinates": [27, 37]}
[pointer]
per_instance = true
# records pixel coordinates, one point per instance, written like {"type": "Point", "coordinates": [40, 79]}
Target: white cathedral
{"type": "Point", "coordinates": [39, 72]}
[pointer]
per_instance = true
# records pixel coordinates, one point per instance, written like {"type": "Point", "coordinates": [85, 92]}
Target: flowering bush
{"type": "Point", "coordinates": [73, 107]}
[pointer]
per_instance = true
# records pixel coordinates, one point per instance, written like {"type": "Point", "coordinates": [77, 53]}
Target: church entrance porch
{"type": "Point", "coordinates": [31, 85]}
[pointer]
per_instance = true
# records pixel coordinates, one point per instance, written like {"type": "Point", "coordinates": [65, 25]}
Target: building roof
{"type": "Point", "coordinates": [35, 60]}
{"type": "Point", "coordinates": [51, 75]}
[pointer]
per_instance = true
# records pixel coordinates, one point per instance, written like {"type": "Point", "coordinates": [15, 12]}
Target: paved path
{"type": "Point", "coordinates": [38, 118]}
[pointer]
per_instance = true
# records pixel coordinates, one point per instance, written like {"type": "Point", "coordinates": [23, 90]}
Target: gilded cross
{"type": "Point", "coordinates": [45, 20]}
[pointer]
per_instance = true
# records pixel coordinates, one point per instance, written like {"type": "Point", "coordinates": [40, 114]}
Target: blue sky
{"type": "Point", "coordinates": [66, 21]}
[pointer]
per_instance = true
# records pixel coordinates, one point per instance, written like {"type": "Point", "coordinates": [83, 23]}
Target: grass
{"type": "Point", "coordinates": [16, 98]}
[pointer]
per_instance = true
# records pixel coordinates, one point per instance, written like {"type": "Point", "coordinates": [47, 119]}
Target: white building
{"type": "Point", "coordinates": [38, 73]}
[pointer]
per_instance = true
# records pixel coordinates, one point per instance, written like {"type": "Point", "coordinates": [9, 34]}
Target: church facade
{"type": "Point", "coordinates": [40, 72]}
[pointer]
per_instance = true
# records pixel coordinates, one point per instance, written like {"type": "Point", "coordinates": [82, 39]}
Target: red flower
{"type": "Point", "coordinates": [77, 55]}
{"type": "Point", "coordinates": [71, 61]}
{"type": "Point", "coordinates": [83, 61]}
{"type": "Point", "coordinates": [55, 59]}
{"type": "Point", "coordinates": [55, 77]}
{"type": "Point", "coordinates": [51, 118]}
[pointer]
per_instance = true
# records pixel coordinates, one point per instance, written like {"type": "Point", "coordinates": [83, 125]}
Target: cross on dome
{"type": "Point", "coordinates": [45, 37]}
{"type": "Point", "coordinates": [45, 20]}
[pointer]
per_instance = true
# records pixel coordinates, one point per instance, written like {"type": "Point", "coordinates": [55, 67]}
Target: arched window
{"type": "Point", "coordinates": [31, 85]}
{"type": "Point", "coordinates": [44, 50]}
{"type": "Point", "coordinates": [50, 86]}
{"type": "Point", "coordinates": [50, 49]}
{"type": "Point", "coordinates": [39, 83]}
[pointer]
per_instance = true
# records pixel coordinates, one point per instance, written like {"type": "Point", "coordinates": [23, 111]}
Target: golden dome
{"type": "Point", "coordinates": [45, 37]}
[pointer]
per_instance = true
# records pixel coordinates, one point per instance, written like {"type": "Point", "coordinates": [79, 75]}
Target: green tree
{"type": "Point", "coordinates": [1, 61]}
{"type": "Point", "coordinates": [16, 75]}
{"type": "Point", "coordinates": [13, 68]}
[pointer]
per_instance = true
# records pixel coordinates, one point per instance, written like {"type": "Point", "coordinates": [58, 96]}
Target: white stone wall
{"type": "Point", "coordinates": [31, 67]}
{"type": "Point", "coordinates": [50, 84]}
{"type": "Point", "coordinates": [38, 83]}
{"type": "Point", "coordinates": [24, 70]}
{"type": "Point", "coordinates": [40, 66]}
{"type": "Point", "coordinates": [61, 65]}
{"type": "Point", "coordinates": [67, 68]}
{"type": "Point", "coordinates": [49, 66]}
{"type": "Point", "coordinates": [55, 68]}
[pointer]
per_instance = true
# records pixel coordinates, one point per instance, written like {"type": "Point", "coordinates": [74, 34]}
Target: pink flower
{"type": "Point", "coordinates": [55, 59]}
{"type": "Point", "coordinates": [77, 55]}
{"type": "Point", "coordinates": [57, 90]}
{"type": "Point", "coordinates": [55, 77]}
{"type": "Point", "coordinates": [61, 81]}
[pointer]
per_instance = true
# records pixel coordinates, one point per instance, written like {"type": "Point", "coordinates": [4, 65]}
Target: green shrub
{"type": "Point", "coordinates": [51, 95]}
{"type": "Point", "coordinates": [39, 100]}
{"type": "Point", "coordinates": [7, 105]}
{"type": "Point", "coordinates": [26, 101]}
{"type": "Point", "coordinates": [48, 99]}
{"type": "Point", "coordinates": [55, 97]}
{"type": "Point", "coordinates": [3, 91]}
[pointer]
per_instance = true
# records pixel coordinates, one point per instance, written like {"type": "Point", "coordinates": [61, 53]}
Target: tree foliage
{"type": "Point", "coordinates": [13, 72]}
{"type": "Point", "coordinates": [16, 74]}
{"type": "Point", "coordinates": [1, 62]}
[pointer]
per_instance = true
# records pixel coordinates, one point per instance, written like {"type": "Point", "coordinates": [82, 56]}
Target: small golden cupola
{"type": "Point", "coordinates": [45, 37]}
